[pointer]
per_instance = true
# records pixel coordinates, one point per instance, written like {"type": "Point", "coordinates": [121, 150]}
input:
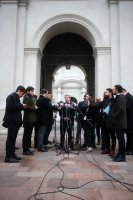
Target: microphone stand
{"type": "Point", "coordinates": [71, 127]}
{"type": "Point", "coordinates": [55, 135]}
{"type": "Point", "coordinates": [68, 128]}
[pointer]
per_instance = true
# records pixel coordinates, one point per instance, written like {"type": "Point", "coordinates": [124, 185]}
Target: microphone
{"type": "Point", "coordinates": [60, 103]}
{"type": "Point", "coordinates": [74, 104]}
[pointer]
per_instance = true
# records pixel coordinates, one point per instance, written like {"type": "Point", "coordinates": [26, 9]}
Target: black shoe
{"type": "Point", "coordinates": [120, 159]}
{"type": "Point", "coordinates": [28, 153]}
{"type": "Point", "coordinates": [31, 150]}
{"type": "Point", "coordinates": [76, 143]}
{"type": "Point", "coordinates": [84, 146]}
{"type": "Point", "coordinates": [16, 157]}
{"type": "Point", "coordinates": [115, 157]}
{"type": "Point", "coordinates": [49, 142]}
{"type": "Point", "coordinates": [129, 153]}
{"type": "Point", "coordinates": [43, 149]}
{"type": "Point", "coordinates": [16, 148]}
{"type": "Point", "coordinates": [11, 160]}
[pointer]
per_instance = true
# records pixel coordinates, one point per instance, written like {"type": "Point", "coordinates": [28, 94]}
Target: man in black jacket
{"type": "Point", "coordinates": [29, 120]}
{"type": "Point", "coordinates": [66, 112]}
{"type": "Point", "coordinates": [45, 110]}
{"type": "Point", "coordinates": [13, 121]}
{"type": "Point", "coordinates": [117, 120]}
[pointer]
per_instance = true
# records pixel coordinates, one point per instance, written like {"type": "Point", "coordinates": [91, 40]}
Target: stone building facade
{"type": "Point", "coordinates": [30, 28]}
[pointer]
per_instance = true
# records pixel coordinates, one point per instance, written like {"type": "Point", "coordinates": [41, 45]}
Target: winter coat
{"type": "Point", "coordinates": [45, 111]}
{"type": "Point", "coordinates": [30, 113]}
{"type": "Point", "coordinates": [117, 114]}
{"type": "Point", "coordinates": [13, 111]}
{"type": "Point", "coordinates": [129, 112]}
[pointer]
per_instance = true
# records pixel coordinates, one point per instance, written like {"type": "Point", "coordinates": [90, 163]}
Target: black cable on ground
{"type": "Point", "coordinates": [61, 187]}
{"type": "Point", "coordinates": [60, 161]}
{"type": "Point", "coordinates": [114, 179]}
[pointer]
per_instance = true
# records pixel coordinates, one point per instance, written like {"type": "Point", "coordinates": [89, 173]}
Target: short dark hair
{"type": "Point", "coordinates": [110, 90]}
{"type": "Point", "coordinates": [21, 88]}
{"type": "Point", "coordinates": [123, 89]}
{"type": "Point", "coordinates": [29, 88]}
{"type": "Point", "coordinates": [86, 94]}
{"type": "Point", "coordinates": [119, 88]}
{"type": "Point", "coordinates": [44, 91]}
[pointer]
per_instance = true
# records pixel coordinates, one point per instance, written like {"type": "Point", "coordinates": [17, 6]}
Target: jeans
{"type": "Point", "coordinates": [40, 136]}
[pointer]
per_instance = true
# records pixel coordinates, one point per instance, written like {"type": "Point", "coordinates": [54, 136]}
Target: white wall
{"type": "Point", "coordinates": [8, 22]}
{"type": "Point", "coordinates": [126, 44]}
{"type": "Point", "coordinates": [19, 28]}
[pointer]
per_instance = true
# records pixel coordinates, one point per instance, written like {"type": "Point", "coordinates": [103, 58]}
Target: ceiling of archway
{"type": "Point", "coordinates": [68, 47]}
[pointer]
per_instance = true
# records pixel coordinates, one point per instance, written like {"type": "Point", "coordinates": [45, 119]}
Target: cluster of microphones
{"type": "Point", "coordinates": [71, 104]}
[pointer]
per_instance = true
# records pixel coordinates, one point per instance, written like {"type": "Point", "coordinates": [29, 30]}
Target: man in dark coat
{"type": "Point", "coordinates": [117, 120]}
{"type": "Point", "coordinates": [29, 120]}
{"type": "Point", "coordinates": [129, 130]}
{"type": "Point", "coordinates": [106, 133]}
{"type": "Point", "coordinates": [66, 112]}
{"type": "Point", "coordinates": [45, 109]}
{"type": "Point", "coordinates": [13, 121]}
{"type": "Point", "coordinates": [49, 127]}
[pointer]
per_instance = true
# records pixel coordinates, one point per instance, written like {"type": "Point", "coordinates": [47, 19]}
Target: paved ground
{"type": "Point", "coordinates": [48, 176]}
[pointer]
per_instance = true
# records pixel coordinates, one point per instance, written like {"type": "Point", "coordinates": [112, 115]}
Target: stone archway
{"type": "Point", "coordinates": [64, 48]}
{"type": "Point", "coordinates": [74, 24]}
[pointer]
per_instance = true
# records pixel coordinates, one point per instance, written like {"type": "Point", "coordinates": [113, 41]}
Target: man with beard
{"type": "Point", "coordinates": [117, 121]}
{"type": "Point", "coordinates": [107, 132]}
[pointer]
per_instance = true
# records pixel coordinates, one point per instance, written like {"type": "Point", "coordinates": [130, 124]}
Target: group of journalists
{"type": "Point", "coordinates": [103, 122]}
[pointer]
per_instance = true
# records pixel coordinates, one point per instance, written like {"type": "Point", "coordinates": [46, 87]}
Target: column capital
{"type": "Point", "coordinates": [116, 1]}
{"type": "Point", "coordinates": [102, 50]}
{"type": "Point", "coordinates": [23, 2]}
{"type": "Point", "coordinates": [34, 50]}
{"type": "Point", "coordinates": [113, 1]}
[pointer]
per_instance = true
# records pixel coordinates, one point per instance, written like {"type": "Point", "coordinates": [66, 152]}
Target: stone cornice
{"type": "Point", "coordinates": [9, 1]}
{"type": "Point", "coordinates": [116, 1]}
{"type": "Point", "coordinates": [18, 2]}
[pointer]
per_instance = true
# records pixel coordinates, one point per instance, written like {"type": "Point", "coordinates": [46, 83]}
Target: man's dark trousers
{"type": "Point", "coordinates": [121, 141]}
{"type": "Point", "coordinates": [11, 140]}
{"type": "Point", "coordinates": [28, 128]}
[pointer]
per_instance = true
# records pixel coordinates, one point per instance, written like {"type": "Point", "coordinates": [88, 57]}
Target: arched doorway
{"type": "Point", "coordinates": [59, 25]}
{"type": "Point", "coordinates": [68, 49]}
{"type": "Point", "coordinates": [72, 82]}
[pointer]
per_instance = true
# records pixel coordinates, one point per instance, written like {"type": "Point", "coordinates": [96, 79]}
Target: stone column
{"type": "Point", "coordinates": [32, 68]}
{"type": "Point", "coordinates": [115, 43]}
{"type": "Point", "coordinates": [18, 79]}
{"type": "Point", "coordinates": [83, 91]}
{"type": "Point", "coordinates": [8, 24]}
{"type": "Point", "coordinates": [102, 70]}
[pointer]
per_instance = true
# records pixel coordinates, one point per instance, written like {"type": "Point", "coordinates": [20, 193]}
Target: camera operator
{"type": "Point", "coordinates": [66, 112]}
